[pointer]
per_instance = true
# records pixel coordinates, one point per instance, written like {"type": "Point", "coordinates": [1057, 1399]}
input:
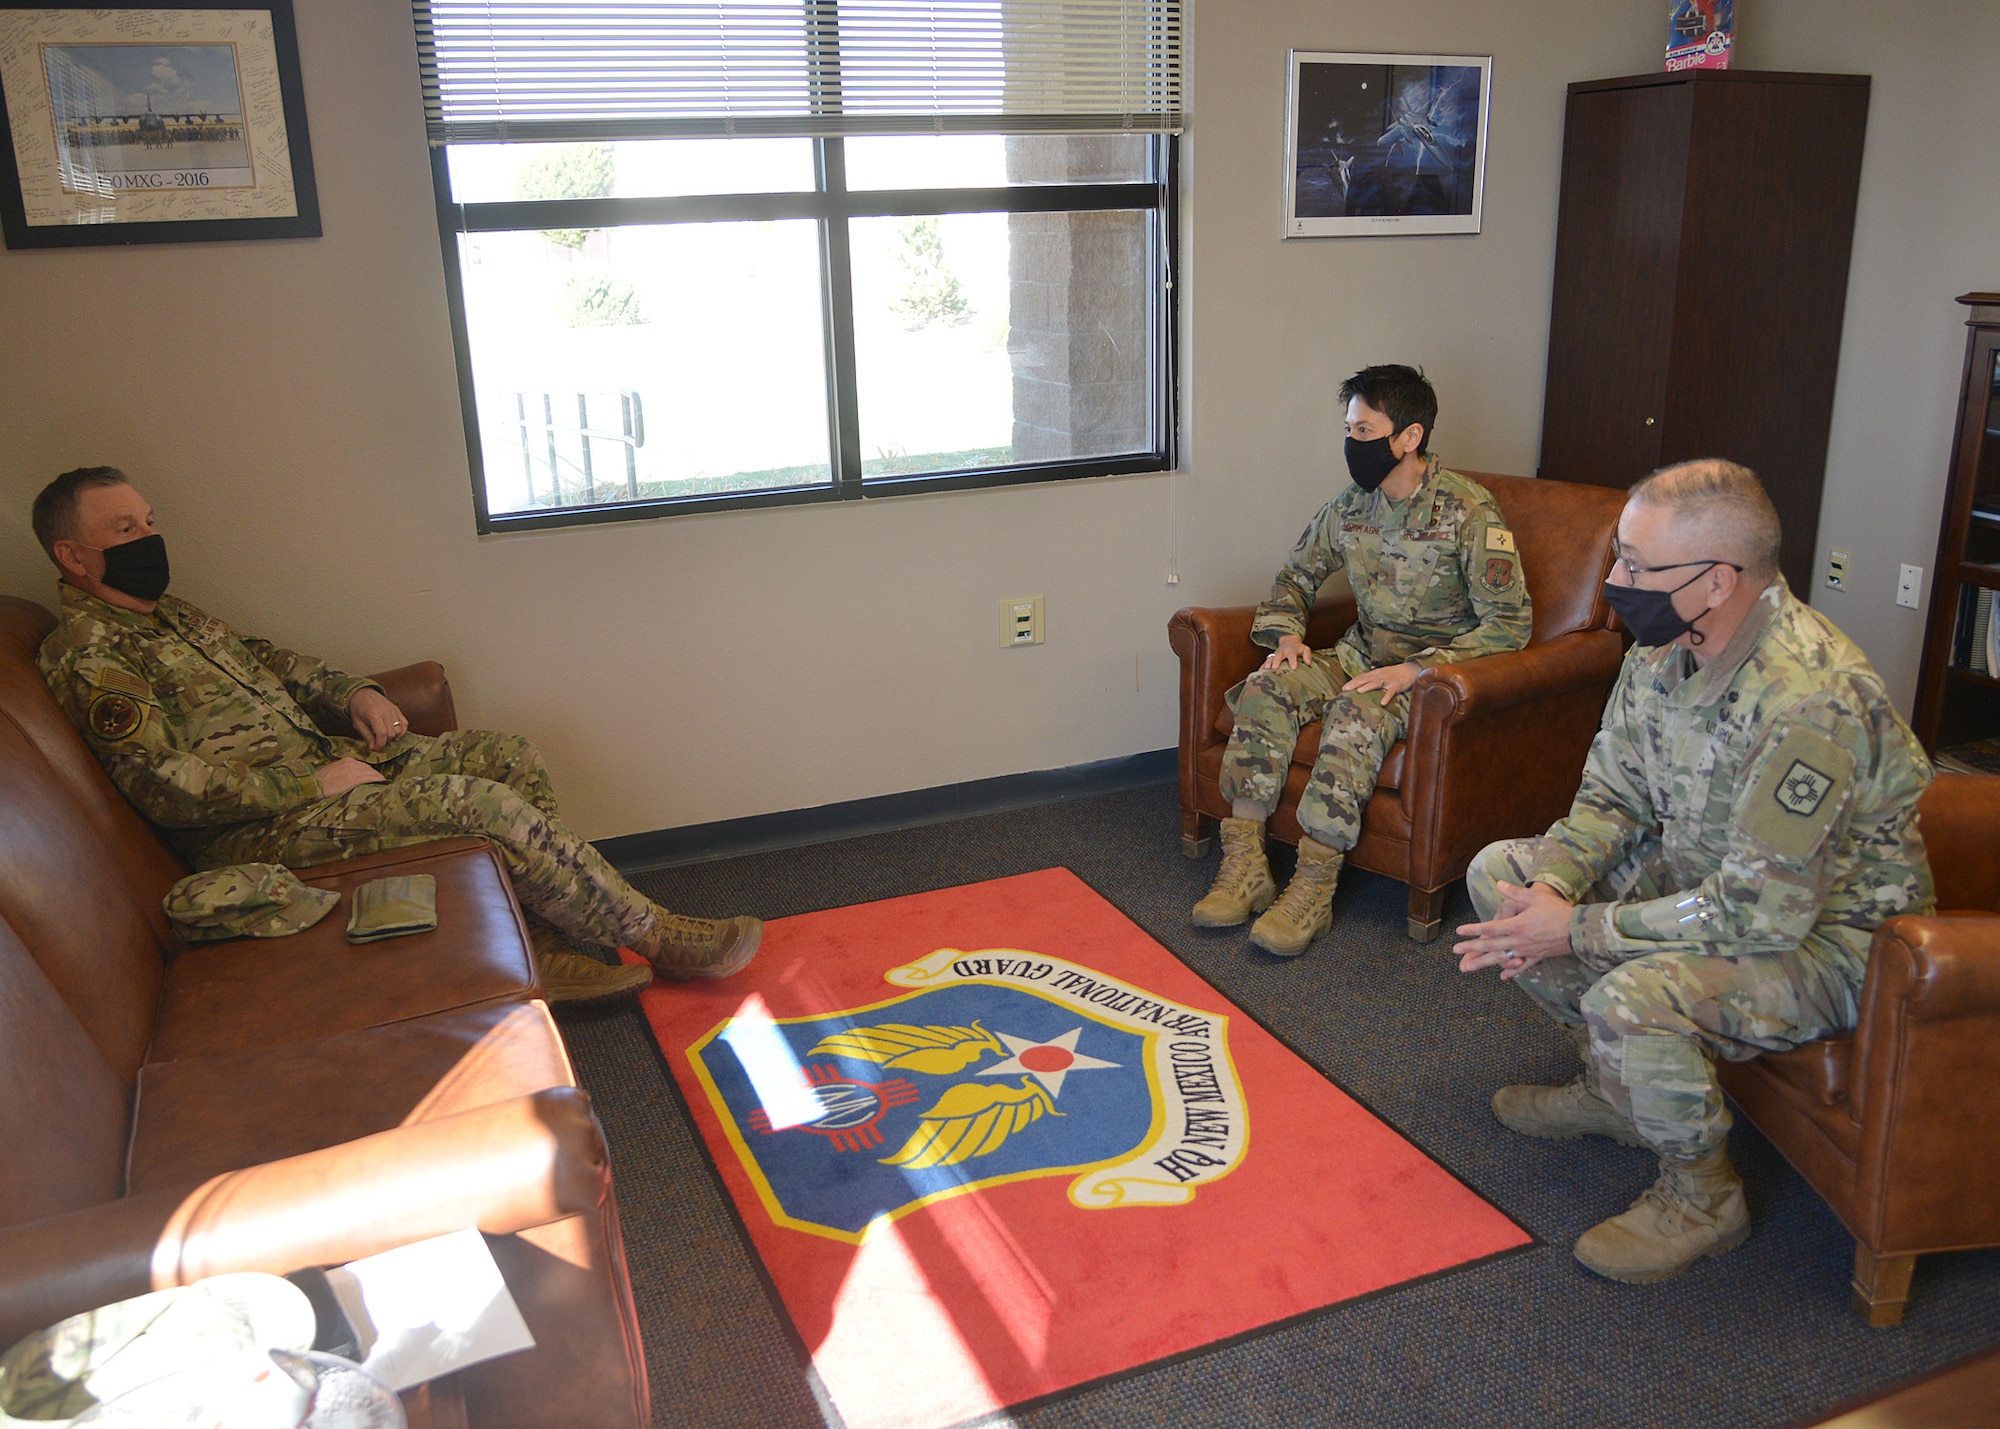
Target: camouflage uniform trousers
{"type": "Point", "coordinates": [466, 783]}
{"type": "Point", "coordinates": [1656, 1022]}
{"type": "Point", "coordinates": [1356, 734]}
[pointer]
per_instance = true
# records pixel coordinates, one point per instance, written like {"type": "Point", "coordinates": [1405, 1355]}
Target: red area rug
{"type": "Point", "coordinates": [994, 1142]}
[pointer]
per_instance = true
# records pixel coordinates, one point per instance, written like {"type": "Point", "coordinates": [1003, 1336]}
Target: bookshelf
{"type": "Point", "coordinates": [1958, 687]}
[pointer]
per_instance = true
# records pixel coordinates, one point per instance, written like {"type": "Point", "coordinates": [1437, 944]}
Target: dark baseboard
{"type": "Point", "coordinates": [759, 833]}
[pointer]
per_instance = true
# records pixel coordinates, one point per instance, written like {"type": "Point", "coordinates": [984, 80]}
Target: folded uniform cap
{"type": "Point", "coordinates": [245, 900]}
{"type": "Point", "coordinates": [391, 907]}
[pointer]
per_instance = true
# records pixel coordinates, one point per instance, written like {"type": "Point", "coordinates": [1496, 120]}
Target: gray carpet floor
{"type": "Point", "coordinates": [1763, 1336]}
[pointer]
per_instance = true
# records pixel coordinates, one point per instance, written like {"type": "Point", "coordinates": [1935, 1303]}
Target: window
{"type": "Point", "coordinates": [732, 253]}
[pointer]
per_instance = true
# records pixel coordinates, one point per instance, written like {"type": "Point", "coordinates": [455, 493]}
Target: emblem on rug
{"type": "Point", "coordinates": [1000, 1065]}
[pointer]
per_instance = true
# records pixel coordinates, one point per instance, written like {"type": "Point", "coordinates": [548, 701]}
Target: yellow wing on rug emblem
{"type": "Point", "coordinates": [936, 1051]}
{"type": "Point", "coordinates": [970, 1120]}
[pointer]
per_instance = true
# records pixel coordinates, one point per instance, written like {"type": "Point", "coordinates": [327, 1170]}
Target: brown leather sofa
{"type": "Point", "coordinates": [1495, 746]}
{"type": "Point", "coordinates": [175, 1112]}
{"type": "Point", "coordinates": [1897, 1124]}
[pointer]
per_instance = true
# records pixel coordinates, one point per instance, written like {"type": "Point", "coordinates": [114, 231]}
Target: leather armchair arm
{"type": "Point", "coordinates": [1927, 1049]}
{"type": "Point", "coordinates": [1495, 746]}
{"type": "Point", "coordinates": [503, 1168]}
{"type": "Point", "coordinates": [1923, 973]}
{"type": "Point", "coordinates": [1583, 659]}
{"type": "Point", "coordinates": [1216, 651]}
{"type": "Point", "coordinates": [423, 694]}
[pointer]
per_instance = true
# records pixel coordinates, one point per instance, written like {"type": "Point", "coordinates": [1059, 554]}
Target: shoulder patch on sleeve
{"type": "Point", "coordinates": [1799, 794]}
{"type": "Point", "coordinates": [114, 716]}
{"type": "Point", "coordinates": [1499, 538]}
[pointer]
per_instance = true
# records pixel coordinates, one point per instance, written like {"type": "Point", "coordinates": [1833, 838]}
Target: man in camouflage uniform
{"type": "Point", "coordinates": [1747, 819]}
{"type": "Point", "coordinates": [224, 742]}
{"type": "Point", "coordinates": [1436, 579]}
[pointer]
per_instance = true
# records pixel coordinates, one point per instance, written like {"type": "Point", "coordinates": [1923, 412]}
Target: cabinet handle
{"type": "Point", "coordinates": [1649, 421]}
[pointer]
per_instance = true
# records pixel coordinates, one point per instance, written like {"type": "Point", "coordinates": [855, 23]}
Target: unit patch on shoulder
{"type": "Point", "coordinates": [114, 716]}
{"type": "Point", "coordinates": [1499, 538]}
{"type": "Point", "coordinates": [1800, 793]}
{"type": "Point", "coordinates": [1499, 574]}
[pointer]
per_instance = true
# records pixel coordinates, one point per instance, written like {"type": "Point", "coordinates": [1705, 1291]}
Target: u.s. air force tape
{"type": "Point", "coordinates": [1799, 794]}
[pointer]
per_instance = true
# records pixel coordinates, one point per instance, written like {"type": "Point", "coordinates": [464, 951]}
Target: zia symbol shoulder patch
{"type": "Point", "coordinates": [1800, 793]}
{"type": "Point", "coordinates": [998, 1066]}
{"type": "Point", "coordinates": [1802, 788]}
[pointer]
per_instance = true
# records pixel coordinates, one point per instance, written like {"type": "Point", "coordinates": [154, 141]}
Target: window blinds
{"type": "Point", "coordinates": [598, 69]}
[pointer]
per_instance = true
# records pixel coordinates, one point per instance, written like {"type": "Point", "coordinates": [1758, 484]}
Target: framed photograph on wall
{"type": "Point", "coordinates": [141, 124]}
{"type": "Point", "coordinates": [1379, 144]}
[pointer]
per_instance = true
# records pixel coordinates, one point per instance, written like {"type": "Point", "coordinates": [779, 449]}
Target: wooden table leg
{"type": "Point", "coordinates": [1881, 1285]}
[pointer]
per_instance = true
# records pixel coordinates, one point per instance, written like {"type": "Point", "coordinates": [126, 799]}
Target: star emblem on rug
{"type": "Point", "coordinates": [1047, 1062]}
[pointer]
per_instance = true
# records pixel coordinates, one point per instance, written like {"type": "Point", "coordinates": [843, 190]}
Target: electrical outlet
{"type": "Point", "coordinates": [1908, 584]}
{"type": "Point", "coordinates": [1836, 569]}
{"type": "Point", "coordinates": [1021, 621]}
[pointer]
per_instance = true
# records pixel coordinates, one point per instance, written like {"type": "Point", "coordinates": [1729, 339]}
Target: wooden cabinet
{"type": "Point", "coordinates": [1701, 278]}
{"type": "Point", "coordinates": [1958, 689]}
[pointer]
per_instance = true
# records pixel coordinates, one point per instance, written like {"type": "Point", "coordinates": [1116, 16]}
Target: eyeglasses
{"type": "Point", "coordinates": [1632, 572]}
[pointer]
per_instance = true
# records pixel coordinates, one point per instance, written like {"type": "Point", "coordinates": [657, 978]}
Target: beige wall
{"type": "Point", "coordinates": [291, 407]}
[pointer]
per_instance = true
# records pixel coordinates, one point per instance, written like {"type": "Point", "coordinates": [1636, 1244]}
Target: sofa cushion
{"type": "Point", "coordinates": [266, 992]}
{"type": "Point", "coordinates": [201, 1116]}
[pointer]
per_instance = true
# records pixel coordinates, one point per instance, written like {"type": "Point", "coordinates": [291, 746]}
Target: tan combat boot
{"type": "Point", "coordinates": [1243, 885]}
{"type": "Point", "coordinates": [569, 976]}
{"type": "Point", "coordinates": [1305, 909]}
{"type": "Point", "coordinates": [1695, 1209]}
{"type": "Point", "coordinates": [1566, 1112]}
{"type": "Point", "coordinates": [680, 947]}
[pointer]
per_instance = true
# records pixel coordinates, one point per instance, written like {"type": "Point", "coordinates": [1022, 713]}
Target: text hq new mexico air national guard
{"type": "Point", "coordinates": [1747, 820]}
{"type": "Point", "coordinates": [1436, 578]}
{"type": "Point", "coordinates": [224, 743]}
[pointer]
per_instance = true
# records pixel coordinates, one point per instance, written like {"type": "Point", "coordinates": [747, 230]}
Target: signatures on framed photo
{"type": "Point", "coordinates": [136, 124]}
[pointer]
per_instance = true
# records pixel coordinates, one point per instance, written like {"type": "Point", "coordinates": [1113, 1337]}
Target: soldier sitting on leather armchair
{"type": "Point", "coordinates": [1437, 578]}
{"type": "Point", "coordinates": [226, 744]}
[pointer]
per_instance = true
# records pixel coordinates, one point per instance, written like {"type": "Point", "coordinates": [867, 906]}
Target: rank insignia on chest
{"type": "Point", "coordinates": [1802, 789]}
{"type": "Point", "coordinates": [115, 716]}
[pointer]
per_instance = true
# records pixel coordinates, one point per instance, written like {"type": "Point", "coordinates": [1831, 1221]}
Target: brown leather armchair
{"type": "Point", "coordinates": [1495, 746]}
{"type": "Point", "coordinates": [1897, 1123]}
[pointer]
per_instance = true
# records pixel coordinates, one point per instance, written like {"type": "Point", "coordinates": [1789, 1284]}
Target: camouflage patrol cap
{"type": "Point", "coordinates": [245, 900]}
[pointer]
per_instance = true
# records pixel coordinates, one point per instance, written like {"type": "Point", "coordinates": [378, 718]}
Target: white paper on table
{"type": "Point", "coordinates": [430, 1307]}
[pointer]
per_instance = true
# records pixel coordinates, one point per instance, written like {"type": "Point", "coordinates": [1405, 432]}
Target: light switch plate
{"type": "Point", "coordinates": [1836, 569]}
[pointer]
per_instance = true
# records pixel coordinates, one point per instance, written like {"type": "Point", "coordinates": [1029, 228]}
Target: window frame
{"type": "Point", "coordinates": [832, 205]}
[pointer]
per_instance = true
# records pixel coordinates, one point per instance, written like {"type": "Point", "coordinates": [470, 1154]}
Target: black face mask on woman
{"type": "Point", "coordinates": [1650, 614]}
{"type": "Point", "coordinates": [137, 568]}
{"type": "Point", "coordinates": [1370, 462]}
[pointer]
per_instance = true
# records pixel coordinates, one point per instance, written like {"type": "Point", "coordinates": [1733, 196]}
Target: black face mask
{"type": "Point", "coordinates": [1650, 614]}
{"type": "Point", "coordinates": [137, 568]}
{"type": "Point", "coordinates": [1370, 462]}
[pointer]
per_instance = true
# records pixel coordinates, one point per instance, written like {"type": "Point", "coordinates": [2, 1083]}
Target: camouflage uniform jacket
{"type": "Point", "coordinates": [198, 726]}
{"type": "Point", "coordinates": [1779, 783]}
{"type": "Point", "coordinates": [1436, 577]}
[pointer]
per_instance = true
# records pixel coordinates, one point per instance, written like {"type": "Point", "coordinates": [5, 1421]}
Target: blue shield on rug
{"type": "Point", "coordinates": [872, 1112]}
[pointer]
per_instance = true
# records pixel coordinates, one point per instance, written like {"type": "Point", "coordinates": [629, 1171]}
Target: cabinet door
{"type": "Point", "coordinates": [1617, 249]}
